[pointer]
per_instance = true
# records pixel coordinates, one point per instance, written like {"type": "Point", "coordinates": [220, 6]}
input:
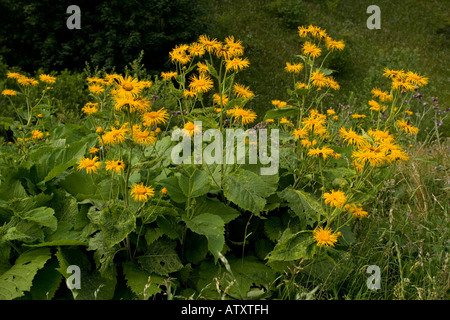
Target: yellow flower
{"type": "Point", "coordinates": [356, 210]}
{"type": "Point", "coordinates": [9, 92]}
{"type": "Point", "coordinates": [196, 49]}
{"type": "Point", "coordinates": [93, 150]}
{"type": "Point", "coordinates": [234, 46]}
{"type": "Point", "coordinates": [243, 91]}
{"type": "Point", "coordinates": [300, 133]}
{"type": "Point", "coordinates": [307, 143]}
{"type": "Point", "coordinates": [286, 121]}
{"type": "Point", "coordinates": [115, 165]}
{"type": "Point", "coordinates": [179, 54]}
{"type": "Point", "coordinates": [236, 64]}
{"type": "Point", "coordinates": [294, 68]}
{"type": "Point", "coordinates": [245, 116]}
{"type": "Point", "coordinates": [351, 137]}
{"type": "Point", "coordinates": [325, 236]}
{"type": "Point", "coordinates": [127, 86]}
{"type": "Point", "coordinates": [404, 126]}
{"type": "Point", "coordinates": [90, 108]}
{"type": "Point", "coordinates": [96, 89]}
{"type": "Point", "coordinates": [37, 135]}
{"type": "Point", "coordinates": [189, 94]}
{"type": "Point", "coordinates": [324, 152]}
{"type": "Point", "coordinates": [115, 136]}
{"type": "Point", "coordinates": [335, 198]}
{"type": "Point", "coordinates": [382, 95]}
{"type": "Point", "coordinates": [311, 50]}
{"type": "Point", "coordinates": [358, 116]}
{"type": "Point", "coordinates": [334, 44]}
{"type": "Point", "coordinates": [331, 112]}
{"type": "Point", "coordinates": [154, 118]}
{"type": "Point", "coordinates": [143, 137]}
{"type": "Point", "coordinates": [25, 81]}
{"type": "Point", "coordinates": [99, 130]}
{"type": "Point", "coordinates": [190, 129]}
{"type": "Point", "coordinates": [368, 154]}
{"type": "Point", "coordinates": [220, 100]}
{"type": "Point", "coordinates": [13, 75]}
{"type": "Point", "coordinates": [210, 45]}
{"type": "Point", "coordinates": [141, 193]}
{"type": "Point", "coordinates": [319, 79]}
{"type": "Point", "coordinates": [47, 78]}
{"type": "Point", "coordinates": [164, 190]}
{"type": "Point", "coordinates": [301, 85]}
{"type": "Point", "coordinates": [416, 79]}
{"type": "Point", "coordinates": [168, 75]}
{"type": "Point", "coordinates": [201, 84]}
{"type": "Point", "coordinates": [91, 165]}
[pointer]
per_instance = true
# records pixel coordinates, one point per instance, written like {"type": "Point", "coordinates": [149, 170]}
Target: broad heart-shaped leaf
{"type": "Point", "coordinates": [161, 258]}
{"type": "Point", "coordinates": [142, 283]}
{"type": "Point", "coordinates": [211, 226]}
{"type": "Point", "coordinates": [249, 272]}
{"type": "Point", "coordinates": [93, 285]}
{"type": "Point", "coordinates": [194, 182]}
{"type": "Point", "coordinates": [292, 246]}
{"type": "Point", "coordinates": [281, 113]}
{"type": "Point", "coordinates": [247, 190]}
{"type": "Point", "coordinates": [205, 205]}
{"type": "Point", "coordinates": [116, 222]}
{"type": "Point", "coordinates": [302, 203]}
{"type": "Point", "coordinates": [19, 278]}
{"type": "Point", "coordinates": [43, 216]}
{"type": "Point", "coordinates": [173, 189]}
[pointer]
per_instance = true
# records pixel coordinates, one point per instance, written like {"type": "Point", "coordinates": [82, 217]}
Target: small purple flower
{"type": "Point", "coordinates": [436, 107]}
{"type": "Point", "coordinates": [434, 99]}
{"type": "Point", "coordinates": [178, 112]}
{"type": "Point", "coordinates": [349, 112]}
{"type": "Point", "coordinates": [439, 123]}
{"type": "Point", "coordinates": [403, 92]}
{"type": "Point", "coordinates": [154, 97]}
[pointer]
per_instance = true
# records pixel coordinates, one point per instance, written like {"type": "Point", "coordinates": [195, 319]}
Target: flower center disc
{"type": "Point", "coordinates": [128, 86]}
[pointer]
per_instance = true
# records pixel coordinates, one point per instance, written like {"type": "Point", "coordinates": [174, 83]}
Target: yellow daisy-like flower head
{"type": "Point", "coordinates": [334, 44]}
{"type": "Point", "coordinates": [294, 67]}
{"type": "Point", "coordinates": [143, 137]}
{"type": "Point", "coordinates": [115, 165]}
{"type": "Point", "coordinates": [236, 64]}
{"type": "Point", "coordinates": [406, 127]}
{"type": "Point", "coordinates": [96, 89]}
{"type": "Point", "coordinates": [351, 137]}
{"type": "Point", "coordinates": [154, 118]}
{"type": "Point", "coordinates": [90, 108]}
{"type": "Point", "coordinates": [9, 92]}
{"type": "Point", "coordinates": [168, 75]}
{"type": "Point", "coordinates": [324, 152]}
{"type": "Point", "coordinates": [210, 45]}
{"type": "Point", "coordinates": [245, 116]}
{"type": "Point", "coordinates": [91, 165]}
{"type": "Point", "coordinates": [243, 91]}
{"type": "Point", "coordinates": [141, 193]}
{"type": "Point", "coordinates": [37, 135]}
{"type": "Point", "coordinates": [325, 237]}
{"type": "Point", "coordinates": [47, 78]}
{"type": "Point", "coordinates": [311, 50]}
{"type": "Point", "coordinates": [335, 198]}
{"type": "Point", "coordinates": [319, 79]}
{"type": "Point", "coordinates": [220, 100]}
{"type": "Point", "coordinates": [191, 129]}
{"type": "Point", "coordinates": [201, 83]}
{"type": "Point", "coordinates": [356, 210]}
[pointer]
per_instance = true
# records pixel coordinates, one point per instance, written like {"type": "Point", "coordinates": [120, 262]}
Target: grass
{"type": "Point", "coordinates": [414, 35]}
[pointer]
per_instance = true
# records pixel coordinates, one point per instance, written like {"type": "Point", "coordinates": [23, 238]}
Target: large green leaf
{"type": "Point", "coordinates": [161, 258]}
{"type": "Point", "coordinates": [205, 205]}
{"type": "Point", "coordinates": [247, 190]}
{"type": "Point", "coordinates": [213, 227]}
{"type": "Point", "coordinates": [18, 279]}
{"type": "Point", "coordinates": [302, 203]}
{"type": "Point", "coordinates": [292, 246]}
{"type": "Point", "coordinates": [43, 216]}
{"type": "Point", "coordinates": [194, 182]}
{"type": "Point", "coordinates": [142, 283]}
{"type": "Point", "coordinates": [116, 222]}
